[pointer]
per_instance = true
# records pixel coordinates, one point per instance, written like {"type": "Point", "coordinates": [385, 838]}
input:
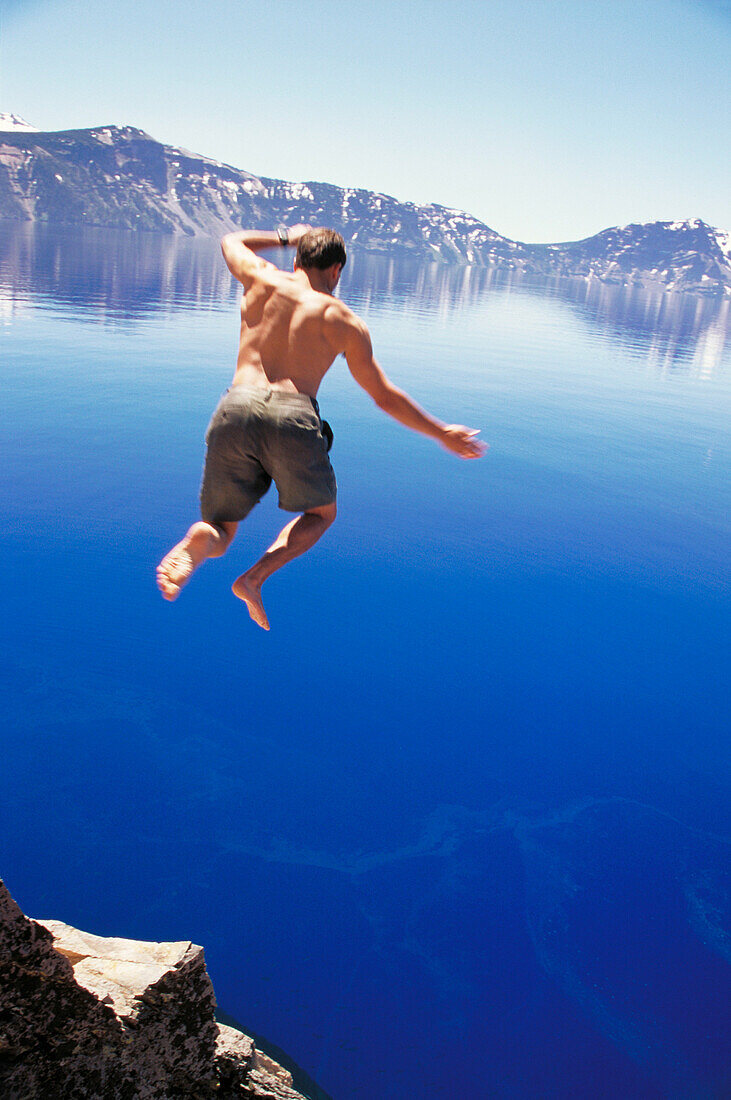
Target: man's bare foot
{"type": "Point", "coordinates": [250, 593]}
{"type": "Point", "coordinates": [177, 567]}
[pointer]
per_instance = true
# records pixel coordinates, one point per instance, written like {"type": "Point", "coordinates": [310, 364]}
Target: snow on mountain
{"type": "Point", "coordinates": [14, 122]}
{"type": "Point", "coordinates": [723, 240]}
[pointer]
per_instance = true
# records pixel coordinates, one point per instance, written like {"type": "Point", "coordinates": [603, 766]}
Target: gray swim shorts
{"type": "Point", "coordinates": [257, 436]}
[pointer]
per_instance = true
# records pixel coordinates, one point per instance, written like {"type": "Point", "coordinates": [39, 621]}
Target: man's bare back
{"type": "Point", "coordinates": [289, 332]}
{"type": "Point", "coordinates": [292, 329]}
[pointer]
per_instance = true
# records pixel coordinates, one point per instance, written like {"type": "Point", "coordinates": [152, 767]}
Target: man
{"type": "Point", "coordinates": [267, 426]}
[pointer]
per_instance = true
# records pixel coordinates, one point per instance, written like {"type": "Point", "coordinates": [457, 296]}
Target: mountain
{"type": "Point", "coordinates": [121, 177]}
{"type": "Point", "coordinates": [687, 255]}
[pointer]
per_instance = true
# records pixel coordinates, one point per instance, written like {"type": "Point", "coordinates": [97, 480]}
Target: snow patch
{"type": "Point", "coordinates": [15, 122]}
{"type": "Point", "coordinates": [689, 223]}
{"type": "Point", "coordinates": [299, 191]}
{"type": "Point", "coordinates": [723, 240]}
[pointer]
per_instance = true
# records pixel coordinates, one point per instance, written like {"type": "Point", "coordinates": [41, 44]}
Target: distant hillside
{"type": "Point", "coordinates": [121, 177]}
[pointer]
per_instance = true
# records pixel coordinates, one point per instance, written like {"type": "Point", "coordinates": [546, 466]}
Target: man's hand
{"type": "Point", "coordinates": [295, 233]}
{"type": "Point", "coordinates": [461, 441]}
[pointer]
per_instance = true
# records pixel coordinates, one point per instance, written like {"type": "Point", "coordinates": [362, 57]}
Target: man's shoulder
{"type": "Point", "coordinates": [274, 275]}
{"type": "Point", "coordinates": [338, 315]}
{"type": "Point", "coordinates": [270, 280]}
{"type": "Point", "coordinates": [343, 329]}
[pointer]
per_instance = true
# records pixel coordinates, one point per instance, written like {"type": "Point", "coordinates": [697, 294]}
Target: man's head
{"type": "Point", "coordinates": [323, 249]}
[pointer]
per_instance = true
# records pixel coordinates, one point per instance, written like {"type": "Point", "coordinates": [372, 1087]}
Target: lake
{"type": "Point", "coordinates": [458, 826]}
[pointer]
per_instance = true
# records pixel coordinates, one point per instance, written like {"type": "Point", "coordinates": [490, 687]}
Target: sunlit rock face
{"type": "Point", "coordinates": [120, 177]}
{"type": "Point", "coordinates": [95, 1017]}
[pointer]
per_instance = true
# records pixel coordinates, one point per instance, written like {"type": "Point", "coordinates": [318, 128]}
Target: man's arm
{"type": "Point", "coordinates": [367, 373]}
{"type": "Point", "coordinates": [240, 250]}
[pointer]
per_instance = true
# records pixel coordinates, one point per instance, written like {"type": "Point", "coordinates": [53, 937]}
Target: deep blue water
{"type": "Point", "coordinates": [458, 826]}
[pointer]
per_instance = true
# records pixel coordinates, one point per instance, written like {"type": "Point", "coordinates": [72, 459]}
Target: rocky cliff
{"type": "Point", "coordinates": [93, 1018]}
{"type": "Point", "coordinates": [121, 177]}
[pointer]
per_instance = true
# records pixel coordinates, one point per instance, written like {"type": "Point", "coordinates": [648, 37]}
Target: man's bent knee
{"type": "Point", "coordinates": [326, 512]}
{"type": "Point", "coordinates": [225, 531]}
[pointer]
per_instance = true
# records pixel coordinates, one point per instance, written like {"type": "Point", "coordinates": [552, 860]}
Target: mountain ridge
{"type": "Point", "coordinates": [121, 177]}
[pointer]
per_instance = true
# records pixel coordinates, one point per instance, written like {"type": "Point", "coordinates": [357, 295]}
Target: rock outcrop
{"type": "Point", "coordinates": [83, 1017]}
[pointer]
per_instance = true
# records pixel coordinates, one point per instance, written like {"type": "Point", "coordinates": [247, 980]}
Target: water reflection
{"type": "Point", "coordinates": [106, 272]}
{"type": "Point", "coordinates": [99, 271]}
{"type": "Point", "coordinates": [668, 328]}
{"type": "Point", "coordinates": [671, 327]}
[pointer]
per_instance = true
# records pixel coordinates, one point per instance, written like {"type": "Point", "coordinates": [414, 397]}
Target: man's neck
{"type": "Point", "coordinates": [317, 279]}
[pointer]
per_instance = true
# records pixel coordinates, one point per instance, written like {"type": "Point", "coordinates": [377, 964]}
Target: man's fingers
{"type": "Point", "coordinates": [475, 449]}
{"type": "Point", "coordinates": [463, 441]}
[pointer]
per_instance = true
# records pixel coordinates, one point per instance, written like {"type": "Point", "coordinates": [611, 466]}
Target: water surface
{"type": "Point", "coordinates": [458, 826]}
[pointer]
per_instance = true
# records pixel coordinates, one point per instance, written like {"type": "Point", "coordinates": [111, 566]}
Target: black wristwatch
{"type": "Point", "coordinates": [283, 234]}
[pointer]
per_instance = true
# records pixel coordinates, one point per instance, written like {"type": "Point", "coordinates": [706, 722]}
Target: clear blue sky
{"type": "Point", "coordinates": [548, 119]}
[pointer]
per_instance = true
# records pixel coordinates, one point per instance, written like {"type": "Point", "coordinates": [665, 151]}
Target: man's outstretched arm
{"type": "Point", "coordinates": [367, 373]}
{"type": "Point", "coordinates": [240, 249]}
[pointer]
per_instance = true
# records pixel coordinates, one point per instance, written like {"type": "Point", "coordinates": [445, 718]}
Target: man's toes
{"type": "Point", "coordinates": [169, 588]}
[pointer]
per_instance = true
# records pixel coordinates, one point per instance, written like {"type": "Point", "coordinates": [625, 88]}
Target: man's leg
{"type": "Point", "coordinates": [203, 540]}
{"type": "Point", "coordinates": [297, 537]}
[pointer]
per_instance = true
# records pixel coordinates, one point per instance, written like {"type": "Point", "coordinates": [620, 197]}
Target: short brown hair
{"type": "Point", "coordinates": [321, 248]}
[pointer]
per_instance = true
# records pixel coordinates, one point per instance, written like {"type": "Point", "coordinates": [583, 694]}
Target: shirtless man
{"type": "Point", "coordinates": [267, 426]}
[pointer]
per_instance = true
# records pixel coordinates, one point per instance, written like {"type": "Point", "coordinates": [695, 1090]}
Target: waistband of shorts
{"type": "Point", "coordinates": [274, 397]}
